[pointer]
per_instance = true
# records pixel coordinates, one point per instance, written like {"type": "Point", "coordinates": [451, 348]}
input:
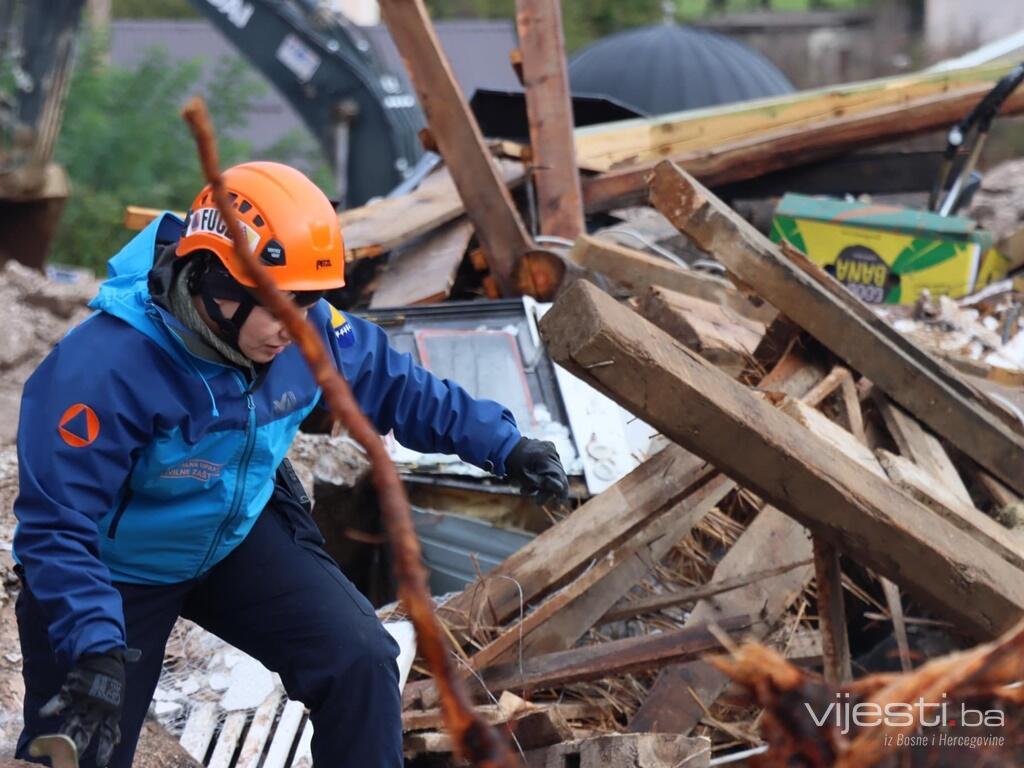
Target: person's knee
{"type": "Point", "coordinates": [356, 656]}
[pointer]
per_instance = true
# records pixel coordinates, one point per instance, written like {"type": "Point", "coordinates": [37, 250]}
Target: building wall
{"type": "Point", "coordinates": [955, 26]}
{"type": "Point", "coordinates": [821, 48]}
{"type": "Point", "coordinates": [363, 12]}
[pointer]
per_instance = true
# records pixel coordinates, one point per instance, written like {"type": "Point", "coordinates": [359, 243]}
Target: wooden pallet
{"type": "Point", "coordinates": [277, 732]}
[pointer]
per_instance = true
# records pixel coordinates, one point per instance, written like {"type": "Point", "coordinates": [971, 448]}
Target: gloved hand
{"type": "Point", "coordinates": [535, 465]}
{"type": "Point", "coordinates": [90, 701]}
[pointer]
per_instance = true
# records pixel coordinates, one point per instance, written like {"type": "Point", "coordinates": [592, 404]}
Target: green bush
{"type": "Point", "coordinates": [123, 142]}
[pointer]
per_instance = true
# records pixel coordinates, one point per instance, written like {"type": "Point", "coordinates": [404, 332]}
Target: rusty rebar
{"type": "Point", "coordinates": [474, 740]}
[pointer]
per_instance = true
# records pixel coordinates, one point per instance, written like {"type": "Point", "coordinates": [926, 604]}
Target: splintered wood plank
{"type": "Point", "coordinates": [567, 626]}
{"type": "Point", "coordinates": [982, 528]}
{"type": "Point", "coordinates": [650, 374]}
{"type": "Point", "coordinates": [826, 429]}
{"type": "Point", "coordinates": [493, 714]}
{"type": "Point", "coordinates": [608, 659]}
{"type": "Point", "coordinates": [227, 741]}
{"type": "Point", "coordinates": [922, 447]}
{"type": "Point", "coordinates": [377, 228]}
{"type": "Point", "coordinates": [673, 704]}
{"type": "Point", "coordinates": [284, 735]}
{"type": "Point", "coordinates": [549, 108]}
{"type": "Point", "coordinates": [259, 731]}
{"type": "Point", "coordinates": [424, 272]}
{"type": "Point", "coordinates": [453, 127]}
{"type": "Point", "coordinates": [551, 558]}
{"type": "Point", "coordinates": [727, 163]}
{"type": "Point", "coordinates": [304, 751]}
{"type": "Point", "coordinates": [720, 335]}
{"type": "Point", "coordinates": [199, 729]}
{"type": "Point", "coordinates": [637, 140]}
{"type": "Point", "coordinates": [679, 597]}
{"type": "Point", "coordinates": [930, 390]}
{"type": "Point", "coordinates": [636, 558]}
{"type": "Point", "coordinates": [638, 272]}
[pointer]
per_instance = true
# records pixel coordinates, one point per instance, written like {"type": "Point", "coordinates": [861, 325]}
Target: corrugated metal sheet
{"type": "Point", "coordinates": [451, 544]}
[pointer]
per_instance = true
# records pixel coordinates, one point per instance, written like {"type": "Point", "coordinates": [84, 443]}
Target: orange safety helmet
{"type": "Point", "coordinates": [291, 226]}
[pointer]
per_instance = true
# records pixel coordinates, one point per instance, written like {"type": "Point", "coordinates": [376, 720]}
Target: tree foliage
{"type": "Point", "coordinates": [153, 9]}
{"type": "Point", "coordinates": [123, 142]}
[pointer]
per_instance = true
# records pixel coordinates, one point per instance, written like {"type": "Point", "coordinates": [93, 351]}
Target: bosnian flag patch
{"type": "Point", "coordinates": [343, 330]}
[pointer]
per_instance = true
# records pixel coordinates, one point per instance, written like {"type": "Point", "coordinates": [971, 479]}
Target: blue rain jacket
{"type": "Point", "coordinates": [145, 463]}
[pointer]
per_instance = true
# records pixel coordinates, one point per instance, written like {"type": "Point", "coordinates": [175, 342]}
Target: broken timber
{"type": "Point", "coordinates": [646, 493]}
{"type": "Point", "coordinates": [757, 156]}
{"type": "Point", "coordinates": [488, 202]}
{"type": "Point", "coordinates": [715, 332]}
{"type": "Point", "coordinates": [424, 272]}
{"type": "Point", "coordinates": [931, 391]}
{"type": "Point", "coordinates": [642, 368]}
{"type": "Point", "coordinates": [549, 107]}
{"type": "Point", "coordinates": [609, 659]}
{"type": "Point", "coordinates": [639, 272]}
{"type": "Point", "coordinates": [677, 699]}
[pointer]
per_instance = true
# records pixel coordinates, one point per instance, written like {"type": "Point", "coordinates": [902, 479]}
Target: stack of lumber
{"type": "Point", "coordinates": [464, 211]}
{"type": "Point", "coordinates": [829, 462]}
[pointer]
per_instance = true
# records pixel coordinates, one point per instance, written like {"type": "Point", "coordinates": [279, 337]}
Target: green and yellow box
{"type": "Point", "coordinates": [886, 254]}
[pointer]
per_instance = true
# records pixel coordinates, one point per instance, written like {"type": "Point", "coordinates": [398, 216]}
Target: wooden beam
{"type": "Point", "coordinates": [424, 272]}
{"type": "Point", "coordinates": [718, 334]}
{"type": "Point", "coordinates": [567, 626]}
{"type": "Point", "coordinates": [835, 637]}
{"type": "Point", "coordinates": [585, 602]}
{"type": "Point", "coordinates": [488, 202]}
{"type": "Point", "coordinates": [608, 659]}
{"type": "Point", "coordinates": [647, 372]}
{"type": "Point", "coordinates": [548, 561]}
{"type": "Point", "coordinates": [921, 447]}
{"type": "Point", "coordinates": [549, 108]}
{"type": "Point", "coordinates": [638, 272]}
{"type": "Point", "coordinates": [493, 714]}
{"type": "Point", "coordinates": [380, 227]}
{"type": "Point", "coordinates": [651, 139]}
{"type": "Point", "coordinates": [807, 295]}
{"type": "Point", "coordinates": [920, 485]}
{"type": "Point", "coordinates": [687, 595]}
{"type": "Point", "coordinates": [771, 540]}
{"type": "Point", "coordinates": [754, 157]}
{"type": "Point", "coordinates": [676, 701]}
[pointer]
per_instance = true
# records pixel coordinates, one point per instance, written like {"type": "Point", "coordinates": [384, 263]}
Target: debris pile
{"type": "Point", "coordinates": [831, 502]}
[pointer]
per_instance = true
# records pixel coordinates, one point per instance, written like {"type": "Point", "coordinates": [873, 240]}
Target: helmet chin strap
{"type": "Point", "coordinates": [211, 281]}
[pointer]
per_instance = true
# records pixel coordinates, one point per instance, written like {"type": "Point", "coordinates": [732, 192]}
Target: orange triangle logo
{"type": "Point", "coordinates": [79, 426]}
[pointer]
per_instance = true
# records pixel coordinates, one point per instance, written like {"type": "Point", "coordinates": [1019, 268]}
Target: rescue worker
{"type": "Point", "coordinates": [152, 482]}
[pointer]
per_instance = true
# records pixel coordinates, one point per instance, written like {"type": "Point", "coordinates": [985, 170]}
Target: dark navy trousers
{"type": "Point", "coordinates": [278, 597]}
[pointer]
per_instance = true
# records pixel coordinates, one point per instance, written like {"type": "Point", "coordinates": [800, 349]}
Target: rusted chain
{"type": "Point", "coordinates": [474, 740]}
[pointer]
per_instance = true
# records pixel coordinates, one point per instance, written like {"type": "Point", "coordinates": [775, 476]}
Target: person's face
{"type": "Point", "coordinates": [263, 337]}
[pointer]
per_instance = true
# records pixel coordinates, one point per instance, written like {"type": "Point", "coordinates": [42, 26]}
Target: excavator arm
{"type": "Point", "coordinates": [37, 47]}
{"type": "Point", "coordinates": [362, 118]}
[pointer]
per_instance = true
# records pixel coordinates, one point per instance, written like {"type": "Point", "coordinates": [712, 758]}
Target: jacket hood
{"type": "Point", "coordinates": [139, 278]}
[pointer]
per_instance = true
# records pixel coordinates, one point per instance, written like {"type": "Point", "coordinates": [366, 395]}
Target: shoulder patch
{"type": "Point", "coordinates": [79, 426]}
{"type": "Point", "coordinates": [343, 330]}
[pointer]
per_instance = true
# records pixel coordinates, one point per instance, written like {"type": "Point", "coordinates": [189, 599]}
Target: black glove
{"type": "Point", "coordinates": [534, 464]}
{"type": "Point", "coordinates": [90, 701]}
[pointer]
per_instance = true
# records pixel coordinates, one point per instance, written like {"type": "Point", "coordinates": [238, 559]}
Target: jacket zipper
{"type": "Point", "coordinates": [116, 521]}
{"type": "Point", "coordinates": [243, 471]}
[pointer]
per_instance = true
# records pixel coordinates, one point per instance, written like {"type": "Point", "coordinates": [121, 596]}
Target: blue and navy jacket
{"type": "Point", "coordinates": [143, 462]}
